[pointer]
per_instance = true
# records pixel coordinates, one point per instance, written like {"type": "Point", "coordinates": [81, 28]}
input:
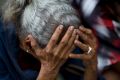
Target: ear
{"type": "Point", "coordinates": [30, 44]}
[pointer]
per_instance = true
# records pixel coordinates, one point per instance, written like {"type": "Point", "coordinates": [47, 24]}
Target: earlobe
{"type": "Point", "coordinates": [31, 42]}
{"type": "Point", "coordinates": [32, 46]}
{"type": "Point", "coordinates": [28, 39]}
{"type": "Point", "coordinates": [26, 44]}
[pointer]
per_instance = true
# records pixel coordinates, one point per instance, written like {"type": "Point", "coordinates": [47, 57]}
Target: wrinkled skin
{"type": "Point", "coordinates": [54, 55]}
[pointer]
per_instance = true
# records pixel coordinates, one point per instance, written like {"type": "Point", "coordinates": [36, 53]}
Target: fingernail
{"type": "Point", "coordinates": [71, 27]}
{"type": "Point", "coordinates": [81, 27]}
{"type": "Point", "coordinates": [61, 27]}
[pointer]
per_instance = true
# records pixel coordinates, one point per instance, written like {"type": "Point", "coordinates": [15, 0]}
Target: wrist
{"type": "Point", "coordinates": [47, 73]}
{"type": "Point", "coordinates": [91, 62]}
{"type": "Point", "coordinates": [91, 65]}
{"type": "Point", "coordinates": [49, 68]}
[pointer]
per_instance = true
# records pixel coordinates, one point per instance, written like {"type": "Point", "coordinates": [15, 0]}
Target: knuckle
{"type": "Point", "coordinates": [47, 50]}
{"type": "Point", "coordinates": [90, 31]}
{"type": "Point", "coordinates": [38, 54]}
{"type": "Point", "coordinates": [55, 55]}
{"type": "Point", "coordinates": [53, 40]}
{"type": "Point", "coordinates": [64, 42]}
{"type": "Point", "coordinates": [78, 43]}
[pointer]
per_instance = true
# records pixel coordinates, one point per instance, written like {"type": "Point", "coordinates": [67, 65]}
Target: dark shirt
{"type": "Point", "coordinates": [9, 51]}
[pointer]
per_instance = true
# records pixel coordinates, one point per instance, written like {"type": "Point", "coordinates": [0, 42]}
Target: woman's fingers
{"type": "Point", "coordinates": [70, 45]}
{"type": "Point", "coordinates": [64, 42]}
{"type": "Point", "coordinates": [82, 36]}
{"type": "Point", "coordinates": [81, 45]}
{"type": "Point", "coordinates": [72, 39]}
{"type": "Point", "coordinates": [88, 32]}
{"type": "Point", "coordinates": [81, 56]}
{"type": "Point", "coordinates": [85, 30]}
{"type": "Point", "coordinates": [87, 36]}
{"type": "Point", "coordinates": [87, 45]}
{"type": "Point", "coordinates": [54, 38]}
{"type": "Point", "coordinates": [70, 42]}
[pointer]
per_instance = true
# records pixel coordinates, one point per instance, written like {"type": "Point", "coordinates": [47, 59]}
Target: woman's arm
{"type": "Point", "coordinates": [54, 55]}
{"type": "Point", "coordinates": [89, 57]}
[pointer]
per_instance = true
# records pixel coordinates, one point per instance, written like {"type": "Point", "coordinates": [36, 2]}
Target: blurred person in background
{"type": "Point", "coordinates": [110, 17]}
{"type": "Point", "coordinates": [103, 16]}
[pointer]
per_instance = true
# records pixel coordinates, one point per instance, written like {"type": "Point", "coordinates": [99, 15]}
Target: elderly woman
{"type": "Point", "coordinates": [35, 22]}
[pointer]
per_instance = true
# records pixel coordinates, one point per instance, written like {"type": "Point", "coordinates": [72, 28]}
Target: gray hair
{"type": "Point", "coordinates": [40, 17]}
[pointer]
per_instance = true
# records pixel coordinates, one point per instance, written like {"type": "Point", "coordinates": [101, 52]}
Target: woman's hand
{"type": "Point", "coordinates": [54, 55]}
{"type": "Point", "coordinates": [88, 45]}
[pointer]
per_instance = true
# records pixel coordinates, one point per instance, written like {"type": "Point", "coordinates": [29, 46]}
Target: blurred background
{"type": "Point", "coordinates": [2, 2]}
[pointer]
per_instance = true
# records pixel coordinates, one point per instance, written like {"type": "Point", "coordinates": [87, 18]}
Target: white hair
{"type": "Point", "coordinates": [40, 17]}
